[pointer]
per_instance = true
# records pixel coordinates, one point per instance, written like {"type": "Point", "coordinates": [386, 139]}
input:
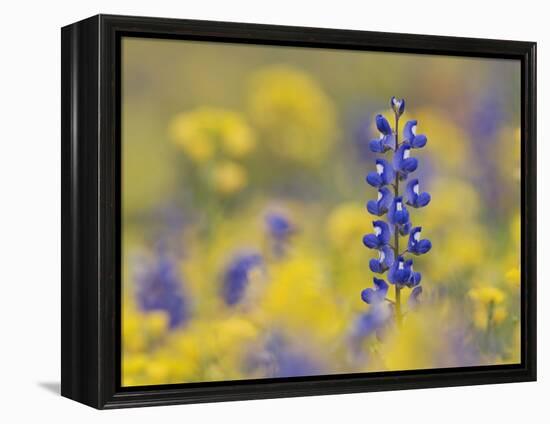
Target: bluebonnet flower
{"type": "Point", "coordinates": [416, 141]}
{"type": "Point", "coordinates": [237, 276]}
{"type": "Point", "coordinates": [384, 174]}
{"type": "Point", "coordinates": [414, 197]}
{"type": "Point", "coordinates": [402, 274]}
{"type": "Point", "coordinates": [381, 205]}
{"type": "Point", "coordinates": [159, 287]}
{"type": "Point", "coordinates": [280, 229]}
{"type": "Point", "coordinates": [398, 213]}
{"type": "Point", "coordinates": [376, 294]}
{"type": "Point", "coordinates": [387, 139]}
{"type": "Point", "coordinates": [400, 269]}
{"type": "Point", "coordinates": [397, 105]}
{"type": "Point", "coordinates": [384, 261]}
{"type": "Point", "coordinates": [381, 236]}
{"type": "Point", "coordinates": [399, 273]}
{"type": "Point", "coordinates": [417, 246]}
{"type": "Point", "coordinates": [403, 164]}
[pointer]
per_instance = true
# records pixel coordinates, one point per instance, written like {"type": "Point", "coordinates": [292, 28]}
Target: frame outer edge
{"type": "Point", "coordinates": [80, 308]}
{"type": "Point", "coordinates": [530, 241]}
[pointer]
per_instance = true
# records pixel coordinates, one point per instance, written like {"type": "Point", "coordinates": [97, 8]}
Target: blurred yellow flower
{"type": "Point", "coordinates": [299, 298]}
{"type": "Point", "coordinates": [229, 177]}
{"type": "Point", "coordinates": [513, 277]}
{"type": "Point", "coordinates": [515, 230]}
{"type": "Point", "coordinates": [205, 132]}
{"type": "Point", "coordinates": [295, 116]}
{"type": "Point", "coordinates": [481, 316]}
{"type": "Point", "coordinates": [448, 143]}
{"type": "Point", "coordinates": [347, 224]}
{"type": "Point", "coordinates": [139, 330]}
{"type": "Point", "coordinates": [487, 294]}
{"type": "Point", "coordinates": [457, 201]}
{"type": "Point", "coordinates": [509, 155]}
{"type": "Point", "coordinates": [134, 364]}
{"type": "Point", "coordinates": [488, 306]}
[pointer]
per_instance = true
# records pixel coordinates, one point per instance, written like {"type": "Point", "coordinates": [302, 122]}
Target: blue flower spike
{"type": "Point", "coordinates": [417, 246]}
{"type": "Point", "coordinates": [416, 141]}
{"type": "Point", "coordinates": [383, 176]}
{"type": "Point", "coordinates": [381, 205]}
{"type": "Point", "coordinates": [377, 294]}
{"type": "Point", "coordinates": [415, 198]}
{"type": "Point", "coordinates": [402, 162]}
{"type": "Point", "coordinates": [384, 261]}
{"type": "Point", "coordinates": [387, 138]}
{"type": "Point", "coordinates": [397, 105]}
{"type": "Point", "coordinates": [394, 259]}
{"type": "Point", "coordinates": [381, 236]}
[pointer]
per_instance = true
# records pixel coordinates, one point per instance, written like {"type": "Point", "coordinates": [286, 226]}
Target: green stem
{"type": "Point", "coordinates": [488, 330]}
{"type": "Point", "coordinates": [398, 312]}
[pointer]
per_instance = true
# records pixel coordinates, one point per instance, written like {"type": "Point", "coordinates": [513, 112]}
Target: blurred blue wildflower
{"type": "Point", "coordinates": [381, 205]}
{"type": "Point", "coordinates": [414, 298]}
{"type": "Point", "coordinates": [237, 276]}
{"type": "Point", "coordinates": [488, 117]}
{"type": "Point", "coordinates": [369, 323]}
{"type": "Point", "coordinates": [281, 358]}
{"type": "Point", "coordinates": [159, 287]}
{"type": "Point", "coordinates": [280, 229]}
{"type": "Point", "coordinates": [414, 197]}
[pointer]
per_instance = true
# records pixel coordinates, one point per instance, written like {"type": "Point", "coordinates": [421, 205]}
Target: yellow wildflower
{"type": "Point", "coordinates": [347, 224]}
{"type": "Point", "coordinates": [487, 294]}
{"type": "Point", "coordinates": [204, 132]}
{"type": "Point", "coordinates": [296, 117]}
{"type": "Point", "coordinates": [229, 177]}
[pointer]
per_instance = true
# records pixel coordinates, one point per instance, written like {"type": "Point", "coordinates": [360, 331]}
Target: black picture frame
{"type": "Point", "coordinates": [91, 219]}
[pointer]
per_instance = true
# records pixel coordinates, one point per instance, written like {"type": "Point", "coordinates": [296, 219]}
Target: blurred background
{"type": "Point", "coordinates": [244, 208]}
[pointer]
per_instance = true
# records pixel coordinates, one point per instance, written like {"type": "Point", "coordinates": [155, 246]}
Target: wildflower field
{"type": "Point", "coordinates": [299, 212]}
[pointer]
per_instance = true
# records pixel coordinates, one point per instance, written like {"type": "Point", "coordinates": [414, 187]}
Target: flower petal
{"type": "Point", "coordinates": [383, 125]}
{"type": "Point", "coordinates": [371, 241]}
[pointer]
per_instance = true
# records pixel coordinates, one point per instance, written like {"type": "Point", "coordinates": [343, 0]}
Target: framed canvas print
{"type": "Point", "coordinates": [253, 211]}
